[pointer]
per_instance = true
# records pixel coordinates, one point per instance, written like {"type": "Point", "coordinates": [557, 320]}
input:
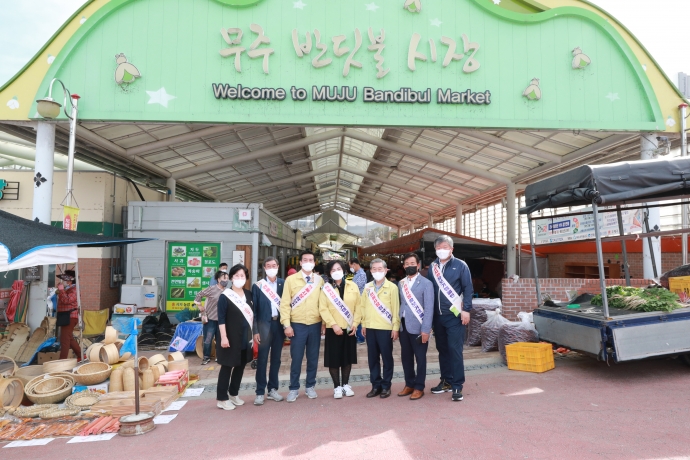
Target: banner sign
{"type": "Point", "coordinates": [190, 268]}
{"type": "Point", "coordinates": [70, 218]}
{"type": "Point", "coordinates": [576, 228]}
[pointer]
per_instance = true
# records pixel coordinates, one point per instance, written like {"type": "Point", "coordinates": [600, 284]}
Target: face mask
{"type": "Point", "coordinates": [352, 270]}
{"type": "Point", "coordinates": [378, 276]}
{"type": "Point", "coordinates": [308, 266]}
{"type": "Point", "coordinates": [411, 271]}
{"type": "Point", "coordinates": [337, 275]}
{"type": "Point", "coordinates": [223, 283]}
{"type": "Point", "coordinates": [443, 254]}
{"type": "Point", "coordinates": [271, 272]}
{"type": "Point", "coordinates": [238, 283]}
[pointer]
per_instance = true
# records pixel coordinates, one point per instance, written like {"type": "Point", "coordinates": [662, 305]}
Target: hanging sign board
{"type": "Point", "coordinates": [576, 228]}
{"type": "Point", "coordinates": [70, 218]}
{"type": "Point", "coordinates": [189, 269]}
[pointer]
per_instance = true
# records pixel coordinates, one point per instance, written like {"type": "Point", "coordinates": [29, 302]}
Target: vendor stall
{"type": "Point", "coordinates": [621, 324]}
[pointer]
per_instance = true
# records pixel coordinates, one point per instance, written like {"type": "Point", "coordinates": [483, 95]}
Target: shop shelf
{"type": "Point", "coordinates": [530, 357]}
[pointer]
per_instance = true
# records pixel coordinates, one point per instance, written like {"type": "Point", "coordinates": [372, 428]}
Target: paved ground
{"type": "Point", "coordinates": [582, 409]}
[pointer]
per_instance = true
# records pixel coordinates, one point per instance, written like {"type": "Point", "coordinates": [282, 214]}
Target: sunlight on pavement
{"type": "Point", "coordinates": [531, 391]}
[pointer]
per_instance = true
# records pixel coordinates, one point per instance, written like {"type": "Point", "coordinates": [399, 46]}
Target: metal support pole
{"type": "Point", "coordinates": [623, 246]}
{"type": "Point", "coordinates": [510, 230]}
{"type": "Point", "coordinates": [651, 245]}
{"type": "Point", "coordinates": [458, 219]}
{"type": "Point", "coordinates": [651, 252]}
{"type": "Point", "coordinates": [600, 260]}
{"type": "Point", "coordinates": [70, 151]}
{"type": "Point", "coordinates": [431, 221]}
{"type": "Point", "coordinates": [534, 260]}
{"type": "Point", "coordinates": [171, 183]}
{"type": "Point", "coordinates": [81, 315]}
{"type": "Point", "coordinates": [684, 206]}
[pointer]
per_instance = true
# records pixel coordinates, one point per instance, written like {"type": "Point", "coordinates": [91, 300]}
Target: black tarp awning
{"type": "Point", "coordinates": [610, 184]}
{"type": "Point", "coordinates": [20, 237]}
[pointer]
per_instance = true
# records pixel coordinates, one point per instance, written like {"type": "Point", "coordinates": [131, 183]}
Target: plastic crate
{"type": "Point", "coordinates": [679, 284]}
{"type": "Point", "coordinates": [530, 357]}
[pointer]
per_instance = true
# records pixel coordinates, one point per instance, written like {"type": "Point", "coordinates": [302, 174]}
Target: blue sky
{"type": "Point", "coordinates": [28, 24]}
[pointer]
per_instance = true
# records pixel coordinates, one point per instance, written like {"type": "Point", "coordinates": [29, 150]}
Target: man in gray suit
{"type": "Point", "coordinates": [417, 315]}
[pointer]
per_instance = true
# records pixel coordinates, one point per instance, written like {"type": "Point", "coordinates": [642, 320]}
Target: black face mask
{"type": "Point", "coordinates": [411, 271]}
{"type": "Point", "coordinates": [223, 283]}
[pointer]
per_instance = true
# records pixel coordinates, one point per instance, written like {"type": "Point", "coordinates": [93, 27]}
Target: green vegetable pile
{"type": "Point", "coordinates": [630, 298]}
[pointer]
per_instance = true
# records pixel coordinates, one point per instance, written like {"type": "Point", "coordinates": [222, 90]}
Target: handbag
{"type": "Point", "coordinates": [63, 318]}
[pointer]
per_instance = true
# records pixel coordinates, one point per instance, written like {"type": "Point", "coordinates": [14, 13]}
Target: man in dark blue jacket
{"type": "Point", "coordinates": [451, 279]}
{"type": "Point", "coordinates": [268, 332]}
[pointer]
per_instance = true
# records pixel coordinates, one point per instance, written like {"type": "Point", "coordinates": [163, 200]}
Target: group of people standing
{"type": "Point", "coordinates": [306, 305]}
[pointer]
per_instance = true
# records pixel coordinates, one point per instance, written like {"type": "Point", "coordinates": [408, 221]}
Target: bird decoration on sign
{"type": "Point", "coordinates": [125, 72]}
{"type": "Point", "coordinates": [413, 6]}
{"type": "Point", "coordinates": [580, 59]}
{"type": "Point", "coordinates": [533, 92]}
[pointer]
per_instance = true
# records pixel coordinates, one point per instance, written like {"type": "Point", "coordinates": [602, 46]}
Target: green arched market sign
{"type": "Point", "coordinates": [452, 63]}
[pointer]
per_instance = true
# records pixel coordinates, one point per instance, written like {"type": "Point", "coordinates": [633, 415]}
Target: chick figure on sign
{"type": "Point", "coordinates": [125, 72]}
{"type": "Point", "coordinates": [533, 92]}
{"type": "Point", "coordinates": [413, 6]}
{"type": "Point", "coordinates": [580, 59]}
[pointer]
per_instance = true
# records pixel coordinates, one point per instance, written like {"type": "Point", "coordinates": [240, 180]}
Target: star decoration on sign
{"type": "Point", "coordinates": [435, 22]}
{"type": "Point", "coordinates": [497, 2]}
{"type": "Point", "coordinates": [160, 97]}
{"type": "Point", "coordinates": [299, 4]}
{"type": "Point", "coordinates": [612, 97]}
{"type": "Point", "coordinates": [371, 6]}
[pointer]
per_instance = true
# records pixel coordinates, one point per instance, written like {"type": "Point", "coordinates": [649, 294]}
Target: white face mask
{"type": "Point", "coordinates": [271, 272]}
{"type": "Point", "coordinates": [378, 276]}
{"type": "Point", "coordinates": [239, 283]}
{"type": "Point", "coordinates": [443, 254]}
{"type": "Point", "coordinates": [308, 266]}
{"type": "Point", "coordinates": [337, 275]}
{"type": "Point", "coordinates": [352, 270]}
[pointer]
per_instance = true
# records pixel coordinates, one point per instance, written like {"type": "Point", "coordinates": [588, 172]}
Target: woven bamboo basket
{"type": "Point", "coordinates": [82, 400]}
{"type": "Point", "coordinates": [180, 365]}
{"type": "Point", "coordinates": [116, 380]}
{"type": "Point", "coordinates": [57, 413]}
{"type": "Point", "coordinates": [109, 354]}
{"type": "Point", "coordinates": [147, 379]}
{"type": "Point", "coordinates": [128, 363]}
{"type": "Point", "coordinates": [7, 366]}
{"type": "Point", "coordinates": [155, 371]}
{"type": "Point", "coordinates": [92, 373]}
{"type": "Point", "coordinates": [143, 363]}
{"type": "Point", "coordinates": [49, 385]}
{"type": "Point", "coordinates": [51, 398]}
{"type": "Point", "coordinates": [110, 335]}
{"type": "Point", "coordinates": [60, 365]}
{"type": "Point", "coordinates": [155, 359]}
{"type": "Point", "coordinates": [34, 411]}
{"type": "Point", "coordinates": [128, 379]}
{"type": "Point", "coordinates": [25, 374]}
{"type": "Point", "coordinates": [175, 356]}
{"type": "Point", "coordinates": [125, 357]}
{"type": "Point", "coordinates": [94, 352]}
{"type": "Point", "coordinates": [11, 392]}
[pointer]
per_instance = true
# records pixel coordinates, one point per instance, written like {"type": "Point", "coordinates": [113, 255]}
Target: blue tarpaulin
{"type": "Point", "coordinates": [189, 332]}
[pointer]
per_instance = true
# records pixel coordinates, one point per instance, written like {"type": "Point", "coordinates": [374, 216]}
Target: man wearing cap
{"type": "Point", "coordinates": [67, 305]}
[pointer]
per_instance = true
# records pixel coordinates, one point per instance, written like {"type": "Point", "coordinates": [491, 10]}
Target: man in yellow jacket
{"type": "Point", "coordinates": [299, 314]}
{"type": "Point", "coordinates": [380, 304]}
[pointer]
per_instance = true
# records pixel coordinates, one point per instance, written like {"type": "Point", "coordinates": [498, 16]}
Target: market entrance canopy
{"type": "Point", "coordinates": [330, 234]}
{"type": "Point", "coordinates": [380, 111]}
{"type": "Point", "coordinates": [25, 243]}
{"type": "Point", "coordinates": [611, 184]}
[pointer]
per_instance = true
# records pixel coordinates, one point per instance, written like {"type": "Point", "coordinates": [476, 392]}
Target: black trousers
{"type": "Point", "coordinates": [229, 378]}
{"type": "Point", "coordinates": [411, 350]}
{"type": "Point", "coordinates": [380, 347]}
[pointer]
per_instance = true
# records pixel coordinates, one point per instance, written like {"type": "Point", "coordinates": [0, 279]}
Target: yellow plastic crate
{"type": "Point", "coordinates": [679, 284]}
{"type": "Point", "coordinates": [530, 357]}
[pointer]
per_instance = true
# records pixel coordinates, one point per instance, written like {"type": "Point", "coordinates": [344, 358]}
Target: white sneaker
{"type": "Point", "coordinates": [292, 396]}
{"type": "Point", "coordinates": [311, 392]}
{"type": "Point", "coordinates": [274, 395]}
{"type": "Point", "coordinates": [225, 405]}
{"type": "Point", "coordinates": [259, 400]}
{"type": "Point", "coordinates": [236, 400]}
{"type": "Point", "coordinates": [338, 393]}
{"type": "Point", "coordinates": [347, 390]}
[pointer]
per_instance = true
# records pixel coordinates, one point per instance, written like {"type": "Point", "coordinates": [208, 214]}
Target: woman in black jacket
{"type": "Point", "coordinates": [235, 317]}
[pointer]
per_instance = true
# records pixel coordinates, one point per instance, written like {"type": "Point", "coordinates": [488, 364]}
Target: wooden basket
{"type": "Point", "coordinates": [49, 385]}
{"type": "Point", "coordinates": [82, 400]}
{"type": "Point", "coordinates": [60, 365]}
{"type": "Point", "coordinates": [58, 413]}
{"type": "Point", "coordinates": [155, 359]}
{"type": "Point", "coordinates": [92, 373]}
{"type": "Point", "coordinates": [116, 380]}
{"type": "Point", "coordinates": [109, 354]}
{"type": "Point", "coordinates": [11, 392]}
{"type": "Point", "coordinates": [110, 335]}
{"type": "Point", "coordinates": [51, 398]}
{"type": "Point", "coordinates": [175, 356]}
{"type": "Point", "coordinates": [34, 411]}
{"type": "Point", "coordinates": [180, 365]}
{"type": "Point", "coordinates": [7, 366]}
{"type": "Point", "coordinates": [26, 373]}
{"type": "Point", "coordinates": [143, 364]}
{"type": "Point", "coordinates": [94, 352]}
{"type": "Point", "coordinates": [128, 379]}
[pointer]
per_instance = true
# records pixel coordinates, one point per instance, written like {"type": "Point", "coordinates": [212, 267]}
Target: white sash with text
{"type": "Point", "coordinates": [447, 289]}
{"type": "Point", "coordinates": [380, 308]}
{"type": "Point", "coordinates": [412, 301]}
{"type": "Point", "coordinates": [339, 305]}
{"type": "Point", "coordinates": [304, 293]}
{"type": "Point", "coordinates": [241, 303]}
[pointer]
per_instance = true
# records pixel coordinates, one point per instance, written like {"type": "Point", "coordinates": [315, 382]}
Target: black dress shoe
{"type": "Point", "coordinates": [385, 393]}
{"type": "Point", "coordinates": [375, 392]}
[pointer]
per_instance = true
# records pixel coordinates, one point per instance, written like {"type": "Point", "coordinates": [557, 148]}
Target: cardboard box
{"type": "Point", "coordinates": [47, 357]}
{"type": "Point", "coordinates": [181, 383]}
{"type": "Point", "coordinates": [124, 309]}
{"type": "Point", "coordinates": [101, 388]}
{"type": "Point", "coordinates": [147, 310]}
